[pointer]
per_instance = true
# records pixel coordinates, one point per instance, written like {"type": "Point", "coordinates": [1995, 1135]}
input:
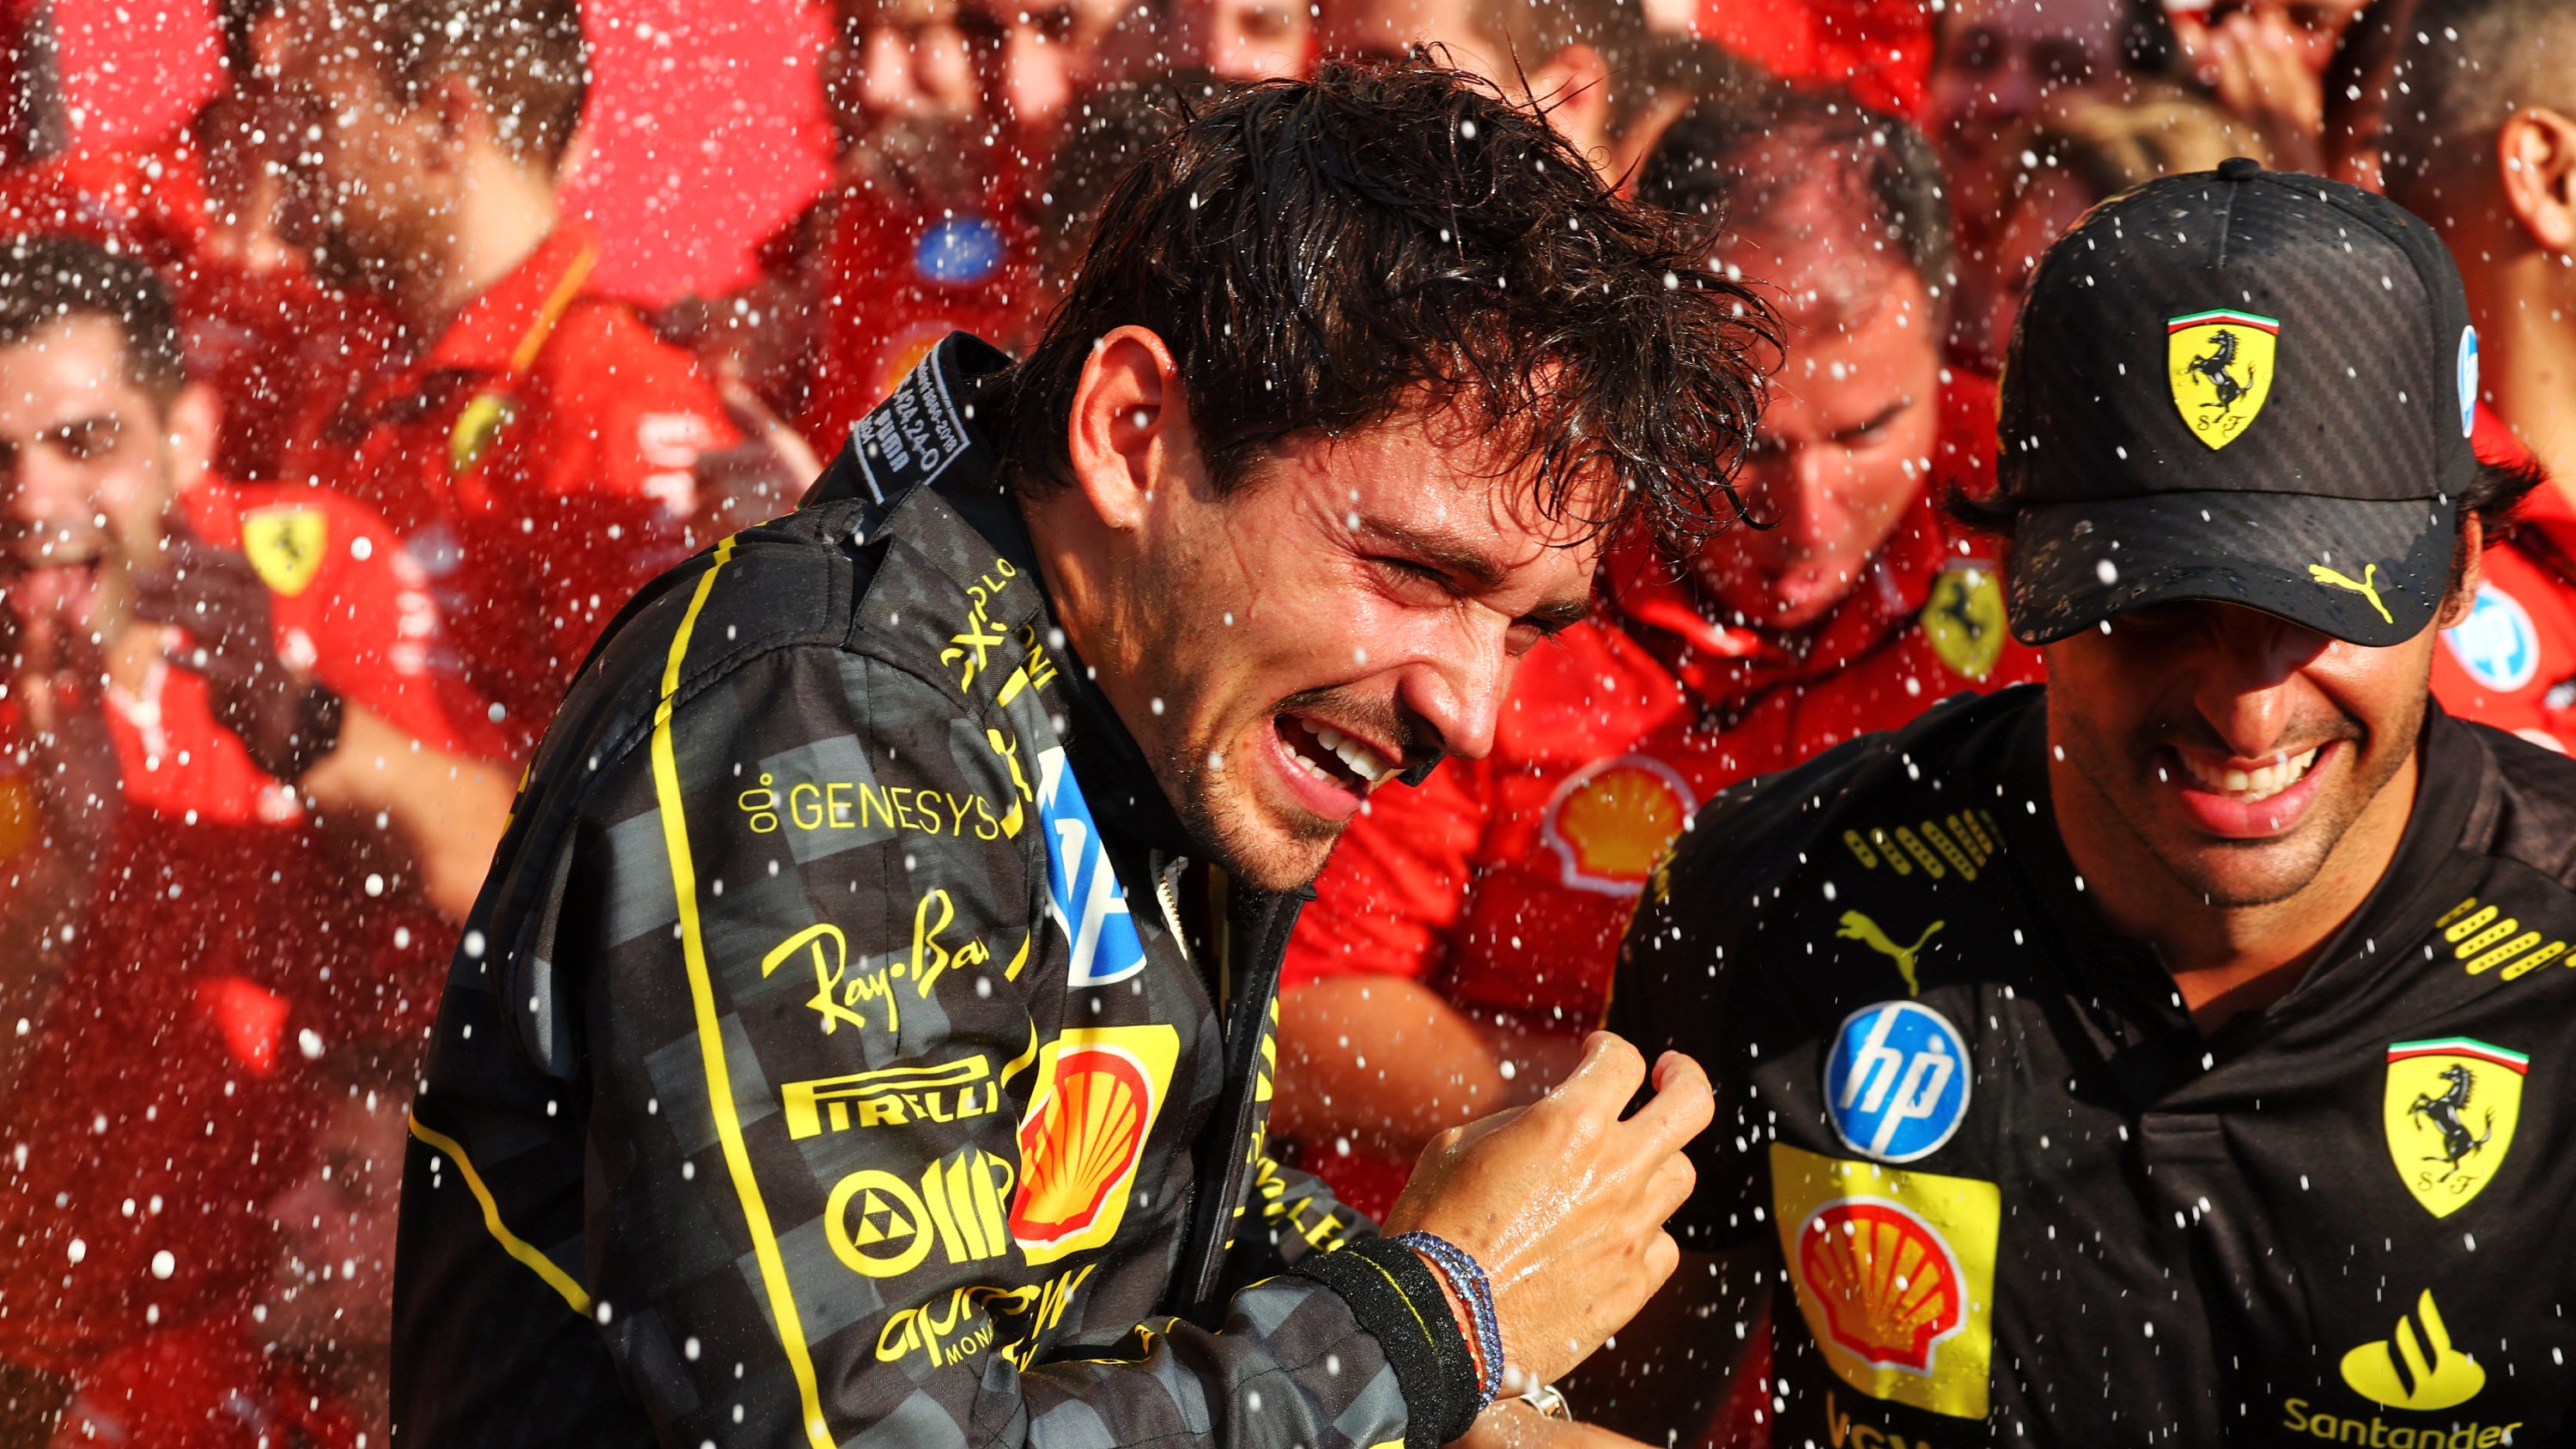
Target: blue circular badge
{"type": "Point", "coordinates": [959, 252]}
{"type": "Point", "coordinates": [2496, 644]}
{"type": "Point", "coordinates": [1896, 1081]}
{"type": "Point", "coordinates": [2468, 381]}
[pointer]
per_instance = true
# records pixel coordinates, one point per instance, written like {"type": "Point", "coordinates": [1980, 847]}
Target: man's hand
{"type": "Point", "coordinates": [1511, 1424]}
{"type": "Point", "coordinates": [287, 721]}
{"type": "Point", "coordinates": [2251, 59]}
{"type": "Point", "coordinates": [1564, 1204]}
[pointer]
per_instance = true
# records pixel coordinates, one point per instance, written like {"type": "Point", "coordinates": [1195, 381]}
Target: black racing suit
{"type": "Point", "coordinates": [2011, 1194]}
{"type": "Point", "coordinates": [842, 1049]}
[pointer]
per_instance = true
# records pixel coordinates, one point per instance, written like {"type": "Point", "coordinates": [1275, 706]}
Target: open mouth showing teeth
{"type": "Point", "coordinates": [1331, 755]}
{"type": "Point", "coordinates": [2250, 785]}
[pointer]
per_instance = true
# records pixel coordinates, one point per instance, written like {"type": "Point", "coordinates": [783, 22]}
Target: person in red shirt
{"type": "Point", "coordinates": [212, 206]}
{"type": "Point", "coordinates": [2478, 143]}
{"type": "Point", "coordinates": [538, 454]}
{"type": "Point", "coordinates": [255, 797]}
{"type": "Point", "coordinates": [1997, 65]}
{"type": "Point", "coordinates": [945, 113]}
{"type": "Point", "coordinates": [1462, 937]}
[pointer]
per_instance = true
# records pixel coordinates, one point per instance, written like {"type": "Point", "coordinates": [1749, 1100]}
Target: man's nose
{"type": "Point", "coordinates": [1459, 693]}
{"type": "Point", "coordinates": [1801, 494]}
{"type": "Point", "coordinates": [2011, 91]}
{"type": "Point", "coordinates": [2248, 685]}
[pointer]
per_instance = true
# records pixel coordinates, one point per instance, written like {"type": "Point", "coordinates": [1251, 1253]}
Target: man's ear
{"type": "Point", "coordinates": [1574, 87]}
{"type": "Point", "coordinates": [2536, 168]}
{"type": "Point", "coordinates": [195, 423]}
{"type": "Point", "coordinates": [2464, 593]}
{"type": "Point", "coordinates": [1128, 420]}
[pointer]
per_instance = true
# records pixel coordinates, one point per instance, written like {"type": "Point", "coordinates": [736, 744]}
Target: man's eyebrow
{"type": "Point", "coordinates": [1879, 420]}
{"type": "Point", "coordinates": [1561, 615]}
{"type": "Point", "coordinates": [1441, 551]}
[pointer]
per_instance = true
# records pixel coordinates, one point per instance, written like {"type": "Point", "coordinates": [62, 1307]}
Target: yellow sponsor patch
{"type": "Point", "coordinates": [2220, 365]}
{"type": "Point", "coordinates": [2450, 1109]}
{"type": "Point", "coordinates": [2415, 1367]}
{"type": "Point", "coordinates": [1097, 1094]}
{"type": "Point", "coordinates": [1894, 1272]}
{"type": "Point", "coordinates": [284, 544]}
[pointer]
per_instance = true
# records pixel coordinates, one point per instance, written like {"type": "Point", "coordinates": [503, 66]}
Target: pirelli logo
{"type": "Point", "coordinates": [2482, 938]}
{"type": "Point", "coordinates": [892, 1097]}
{"type": "Point", "coordinates": [1960, 842]}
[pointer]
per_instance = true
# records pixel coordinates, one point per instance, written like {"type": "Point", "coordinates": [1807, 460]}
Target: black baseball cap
{"type": "Point", "coordinates": [2244, 385]}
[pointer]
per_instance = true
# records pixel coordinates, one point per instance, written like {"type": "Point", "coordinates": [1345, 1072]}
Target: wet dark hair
{"type": "Point", "coordinates": [1733, 163]}
{"type": "Point", "coordinates": [48, 280]}
{"type": "Point", "coordinates": [1322, 256]}
{"type": "Point", "coordinates": [528, 60]}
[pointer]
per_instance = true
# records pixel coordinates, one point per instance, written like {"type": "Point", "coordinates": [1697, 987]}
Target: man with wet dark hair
{"type": "Point", "coordinates": [866, 1028]}
{"type": "Point", "coordinates": [1461, 943]}
{"type": "Point", "coordinates": [2169, 1052]}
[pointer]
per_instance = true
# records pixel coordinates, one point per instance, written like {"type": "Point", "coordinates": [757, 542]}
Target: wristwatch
{"type": "Point", "coordinates": [1549, 1401]}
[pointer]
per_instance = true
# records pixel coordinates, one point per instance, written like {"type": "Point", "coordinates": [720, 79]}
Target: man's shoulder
{"type": "Point", "coordinates": [2528, 814]}
{"type": "Point", "coordinates": [1946, 760]}
{"type": "Point", "coordinates": [913, 588]}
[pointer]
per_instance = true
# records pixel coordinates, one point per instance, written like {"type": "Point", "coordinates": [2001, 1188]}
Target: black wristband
{"type": "Point", "coordinates": [1398, 1302]}
{"type": "Point", "coordinates": [317, 733]}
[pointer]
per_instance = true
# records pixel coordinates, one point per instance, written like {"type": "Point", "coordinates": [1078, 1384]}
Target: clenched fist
{"type": "Point", "coordinates": [1564, 1203]}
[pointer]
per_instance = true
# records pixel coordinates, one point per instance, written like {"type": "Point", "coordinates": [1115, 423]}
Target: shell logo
{"type": "Point", "coordinates": [1888, 1284]}
{"type": "Point", "coordinates": [1895, 1275]}
{"type": "Point", "coordinates": [1611, 821]}
{"type": "Point", "coordinates": [1098, 1093]}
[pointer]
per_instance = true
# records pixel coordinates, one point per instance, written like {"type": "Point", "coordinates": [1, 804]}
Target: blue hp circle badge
{"type": "Point", "coordinates": [1896, 1082]}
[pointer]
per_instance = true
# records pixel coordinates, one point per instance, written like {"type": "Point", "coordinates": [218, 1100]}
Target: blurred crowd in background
{"type": "Point", "coordinates": [358, 360]}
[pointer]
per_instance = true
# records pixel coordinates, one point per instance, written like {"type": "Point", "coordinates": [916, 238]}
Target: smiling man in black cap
{"type": "Point", "coordinates": [2171, 1053]}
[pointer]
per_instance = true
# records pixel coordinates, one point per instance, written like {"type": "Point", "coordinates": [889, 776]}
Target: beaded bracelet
{"type": "Point", "coordinates": [1467, 1279]}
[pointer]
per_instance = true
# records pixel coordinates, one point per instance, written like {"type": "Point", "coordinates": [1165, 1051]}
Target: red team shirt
{"type": "Point", "coordinates": [1507, 881]}
{"type": "Point", "coordinates": [231, 942]}
{"type": "Point", "coordinates": [2512, 662]}
{"type": "Point", "coordinates": [538, 462]}
{"type": "Point", "coordinates": [892, 280]}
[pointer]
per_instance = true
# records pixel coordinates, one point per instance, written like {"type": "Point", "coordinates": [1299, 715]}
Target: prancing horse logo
{"type": "Point", "coordinates": [2444, 1113]}
{"type": "Point", "coordinates": [1857, 927]}
{"type": "Point", "coordinates": [2219, 365]}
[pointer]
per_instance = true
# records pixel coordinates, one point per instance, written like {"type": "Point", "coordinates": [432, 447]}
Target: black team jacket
{"type": "Point", "coordinates": [843, 1049]}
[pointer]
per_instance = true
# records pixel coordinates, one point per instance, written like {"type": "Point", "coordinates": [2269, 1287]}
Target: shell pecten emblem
{"type": "Point", "coordinates": [1093, 1107]}
{"type": "Point", "coordinates": [1612, 820]}
{"type": "Point", "coordinates": [1894, 1273]}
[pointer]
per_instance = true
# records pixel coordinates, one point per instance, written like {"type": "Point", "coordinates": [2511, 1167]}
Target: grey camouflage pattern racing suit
{"type": "Point", "coordinates": [841, 1052]}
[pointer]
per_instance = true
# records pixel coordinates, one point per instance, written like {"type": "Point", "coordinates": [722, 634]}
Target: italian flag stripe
{"type": "Point", "coordinates": [2461, 1046]}
{"type": "Point", "coordinates": [2244, 319]}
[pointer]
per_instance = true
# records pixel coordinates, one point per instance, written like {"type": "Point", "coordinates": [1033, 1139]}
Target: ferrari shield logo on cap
{"type": "Point", "coordinates": [2451, 1106]}
{"type": "Point", "coordinates": [2220, 365]}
